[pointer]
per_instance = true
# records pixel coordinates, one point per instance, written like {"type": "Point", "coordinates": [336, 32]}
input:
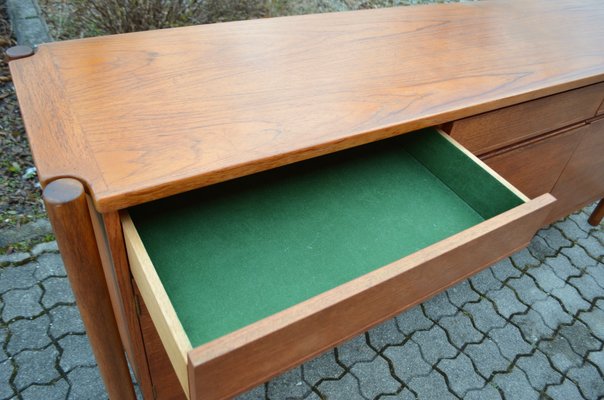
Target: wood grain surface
{"type": "Point", "coordinates": [146, 115]}
{"type": "Point", "coordinates": [598, 214]}
{"type": "Point", "coordinates": [247, 357]}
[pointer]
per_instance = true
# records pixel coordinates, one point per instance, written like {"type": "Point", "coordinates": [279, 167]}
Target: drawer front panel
{"type": "Point", "coordinates": [582, 180]}
{"type": "Point", "coordinates": [496, 129]}
{"type": "Point", "coordinates": [535, 167]}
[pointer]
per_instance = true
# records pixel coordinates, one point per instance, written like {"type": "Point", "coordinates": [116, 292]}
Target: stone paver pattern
{"type": "Point", "coordinates": [529, 327]}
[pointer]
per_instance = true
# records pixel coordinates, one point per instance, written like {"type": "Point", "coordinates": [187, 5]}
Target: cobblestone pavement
{"type": "Point", "coordinates": [530, 327]}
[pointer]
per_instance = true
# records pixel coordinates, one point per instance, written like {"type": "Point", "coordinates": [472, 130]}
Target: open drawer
{"type": "Point", "coordinates": [248, 278]}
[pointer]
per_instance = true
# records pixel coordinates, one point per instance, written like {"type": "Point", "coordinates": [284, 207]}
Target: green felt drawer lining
{"type": "Point", "coordinates": [234, 253]}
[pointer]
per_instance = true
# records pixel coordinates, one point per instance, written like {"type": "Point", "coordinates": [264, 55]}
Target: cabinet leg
{"type": "Point", "coordinates": [67, 208]}
{"type": "Point", "coordinates": [596, 217]}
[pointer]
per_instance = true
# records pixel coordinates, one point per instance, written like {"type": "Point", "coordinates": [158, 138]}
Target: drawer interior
{"type": "Point", "coordinates": [233, 253]}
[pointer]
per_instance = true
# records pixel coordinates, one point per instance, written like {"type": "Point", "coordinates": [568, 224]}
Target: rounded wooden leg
{"type": "Point", "coordinates": [67, 208]}
{"type": "Point", "coordinates": [597, 215]}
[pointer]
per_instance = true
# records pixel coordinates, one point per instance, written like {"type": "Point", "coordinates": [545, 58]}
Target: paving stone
{"type": "Point", "coordinates": [484, 315]}
{"type": "Point", "coordinates": [592, 246]}
{"type": "Point", "coordinates": [355, 350]}
{"type": "Point", "coordinates": [86, 383]}
{"type": "Point", "coordinates": [588, 380]}
{"type": "Point", "coordinates": [434, 344]}
{"type": "Point", "coordinates": [413, 320]}
{"type": "Point", "coordinates": [580, 219]}
{"type": "Point", "coordinates": [560, 353]}
{"type": "Point", "coordinates": [346, 388]}
{"type": "Point", "coordinates": [28, 334]}
{"type": "Point", "coordinates": [562, 267]}
{"type": "Point", "coordinates": [385, 334]}
{"type": "Point", "coordinates": [50, 264]}
{"type": "Point", "coordinates": [540, 249]}
{"type": "Point", "coordinates": [374, 378]}
{"type": "Point", "coordinates": [485, 281]}
{"type": "Point", "coordinates": [546, 278]}
{"type": "Point", "coordinates": [526, 289]}
{"type": "Point", "coordinates": [571, 299]}
{"type": "Point", "coordinates": [64, 320]}
{"type": "Point", "coordinates": [312, 396]}
{"type": "Point", "coordinates": [460, 330]}
{"type": "Point", "coordinates": [597, 273]}
{"type": "Point", "coordinates": [462, 293]}
{"type": "Point", "coordinates": [57, 391]}
{"type": "Point", "coordinates": [324, 366]}
{"type": "Point", "coordinates": [36, 366]}
{"type": "Point", "coordinates": [6, 371]}
{"type": "Point", "coordinates": [486, 393]}
{"type": "Point", "coordinates": [515, 385]}
{"type": "Point", "coordinates": [432, 386]}
{"type": "Point", "coordinates": [599, 234]}
{"type": "Point", "coordinates": [524, 259]}
{"type": "Point", "coordinates": [21, 303]}
{"type": "Point", "coordinates": [538, 370]}
{"type": "Point", "coordinates": [566, 391]}
{"type": "Point", "coordinates": [580, 338]}
{"type": "Point", "coordinates": [554, 238]}
{"type": "Point", "coordinates": [460, 374]}
{"type": "Point", "coordinates": [506, 302]}
{"type": "Point", "coordinates": [76, 352]}
{"type": "Point", "coordinates": [552, 313]}
{"type": "Point", "coordinates": [505, 270]}
{"type": "Point", "coordinates": [532, 326]}
{"type": "Point", "coordinates": [571, 230]}
{"type": "Point", "coordinates": [439, 306]}
{"type": "Point", "coordinates": [510, 341]}
{"type": "Point", "coordinates": [404, 394]}
{"type": "Point", "coordinates": [288, 385]}
{"type": "Point", "coordinates": [3, 337]}
{"type": "Point", "coordinates": [57, 291]}
{"type": "Point", "coordinates": [30, 230]}
{"type": "Point", "coordinates": [487, 357]}
{"type": "Point", "coordinates": [258, 393]}
{"type": "Point", "coordinates": [587, 286]}
{"type": "Point", "coordinates": [597, 358]}
{"type": "Point", "coordinates": [46, 247]}
{"type": "Point", "coordinates": [407, 361]}
{"type": "Point", "coordinates": [14, 258]}
{"type": "Point", "coordinates": [578, 257]}
{"type": "Point", "coordinates": [21, 277]}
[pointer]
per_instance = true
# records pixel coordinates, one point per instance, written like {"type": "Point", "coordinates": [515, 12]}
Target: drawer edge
{"type": "Point", "coordinates": [238, 361]}
{"type": "Point", "coordinates": [156, 299]}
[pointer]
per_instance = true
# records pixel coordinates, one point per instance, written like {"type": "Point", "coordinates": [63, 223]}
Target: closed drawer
{"type": "Point", "coordinates": [535, 167]}
{"type": "Point", "coordinates": [582, 180]}
{"type": "Point", "coordinates": [248, 278]}
{"type": "Point", "coordinates": [500, 128]}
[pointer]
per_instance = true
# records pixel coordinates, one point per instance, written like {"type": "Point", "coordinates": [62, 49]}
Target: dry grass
{"type": "Point", "coordinates": [70, 19]}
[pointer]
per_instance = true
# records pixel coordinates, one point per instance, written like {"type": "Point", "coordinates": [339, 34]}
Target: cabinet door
{"type": "Point", "coordinates": [582, 180]}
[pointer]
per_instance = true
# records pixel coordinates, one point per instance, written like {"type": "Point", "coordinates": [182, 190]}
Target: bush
{"type": "Point", "coordinates": [121, 16]}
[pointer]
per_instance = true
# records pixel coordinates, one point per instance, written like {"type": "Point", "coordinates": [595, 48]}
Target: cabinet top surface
{"type": "Point", "coordinates": [142, 116]}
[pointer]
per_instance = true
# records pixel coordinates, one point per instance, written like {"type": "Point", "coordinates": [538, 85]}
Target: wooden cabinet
{"type": "Point", "coordinates": [129, 121]}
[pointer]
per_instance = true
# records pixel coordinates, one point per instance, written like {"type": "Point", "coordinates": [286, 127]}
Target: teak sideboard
{"type": "Point", "coordinates": [231, 200]}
